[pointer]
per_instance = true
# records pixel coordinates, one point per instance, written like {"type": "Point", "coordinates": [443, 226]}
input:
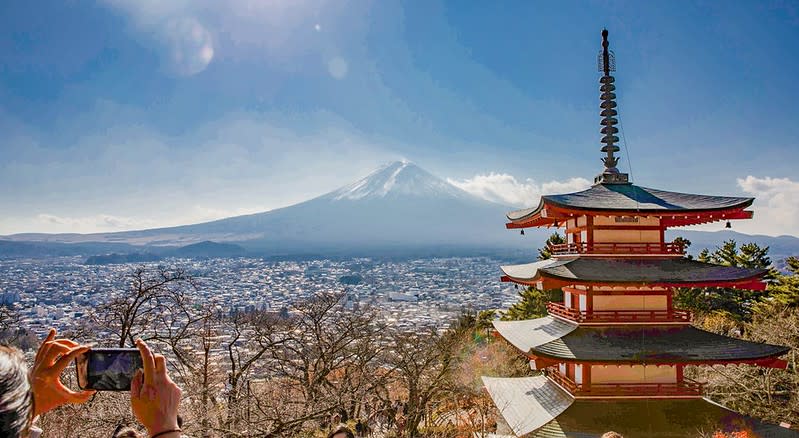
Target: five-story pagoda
{"type": "Point", "coordinates": [613, 352]}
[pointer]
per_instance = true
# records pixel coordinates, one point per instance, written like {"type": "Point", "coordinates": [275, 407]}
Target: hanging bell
{"type": "Point", "coordinates": [522, 233]}
{"type": "Point", "coordinates": [729, 225]}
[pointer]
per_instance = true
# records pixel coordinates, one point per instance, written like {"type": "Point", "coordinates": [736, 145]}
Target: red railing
{"type": "Point", "coordinates": [560, 310]}
{"type": "Point", "coordinates": [562, 380]}
{"type": "Point", "coordinates": [666, 248]}
{"type": "Point", "coordinates": [687, 387]}
{"type": "Point", "coordinates": [673, 315]}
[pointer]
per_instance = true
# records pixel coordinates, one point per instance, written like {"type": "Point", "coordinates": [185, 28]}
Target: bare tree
{"type": "Point", "coordinates": [423, 362]}
{"type": "Point", "coordinates": [767, 393]}
{"type": "Point", "coordinates": [137, 311]}
{"type": "Point", "coordinates": [286, 373]}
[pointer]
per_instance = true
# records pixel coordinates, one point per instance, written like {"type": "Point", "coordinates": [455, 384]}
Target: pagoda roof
{"type": "Point", "coordinates": [653, 271]}
{"type": "Point", "coordinates": [527, 401]}
{"type": "Point", "coordinates": [632, 198]}
{"type": "Point", "coordinates": [530, 333]}
{"type": "Point", "coordinates": [551, 338]}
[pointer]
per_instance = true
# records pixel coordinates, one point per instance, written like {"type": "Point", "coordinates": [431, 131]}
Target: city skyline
{"type": "Point", "coordinates": [124, 115]}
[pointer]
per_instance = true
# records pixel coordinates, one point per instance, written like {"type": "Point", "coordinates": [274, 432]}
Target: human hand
{"type": "Point", "coordinates": [53, 356]}
{"type": "Point", "coordinates": [154, 397]}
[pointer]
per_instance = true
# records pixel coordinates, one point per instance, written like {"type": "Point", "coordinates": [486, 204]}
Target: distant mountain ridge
{"type": "Point", "coordinates": [399, 207]}
{"type": "Point", "coordinates": [780, 247]}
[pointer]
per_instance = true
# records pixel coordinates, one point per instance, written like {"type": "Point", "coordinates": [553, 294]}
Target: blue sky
{"type": "Point", "coordinates": [123, 114]}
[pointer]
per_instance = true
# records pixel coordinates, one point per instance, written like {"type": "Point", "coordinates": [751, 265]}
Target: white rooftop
{"type": "Point", "coordinates": [527, 403]}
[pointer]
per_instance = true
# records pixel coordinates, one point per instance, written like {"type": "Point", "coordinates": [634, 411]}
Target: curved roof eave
{"type": "Point", "coordinates": [633, 271]}
{"type": "Point", "coordinates": [653, 345]}
{"type": "Point", "coordinates": [527, 403]}
{"type": "Point", "coordinates": [531, 333]}
{"type": "Point", "coordinates": [632, 198]}
{"type": "Point", "coordinates": [525, 213]}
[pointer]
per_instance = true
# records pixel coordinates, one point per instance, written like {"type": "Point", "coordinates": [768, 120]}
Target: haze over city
{"type": "Point", "coordinates": [121, 114]}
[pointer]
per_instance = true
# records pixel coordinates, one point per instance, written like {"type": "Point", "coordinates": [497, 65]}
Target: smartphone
{"type": "Point", "coordinates": [107, 369]}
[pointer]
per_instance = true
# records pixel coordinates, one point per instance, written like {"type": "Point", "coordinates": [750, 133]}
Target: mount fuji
{"type": "Point", "coordinates": [399, 206]}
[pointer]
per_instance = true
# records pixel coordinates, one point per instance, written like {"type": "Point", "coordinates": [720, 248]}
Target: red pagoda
{"type": "Point", "coordinates": [613, 353]}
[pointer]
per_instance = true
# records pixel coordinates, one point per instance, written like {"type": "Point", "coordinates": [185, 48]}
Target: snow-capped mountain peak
{"type": "Point", "coordinates": [396, 179]}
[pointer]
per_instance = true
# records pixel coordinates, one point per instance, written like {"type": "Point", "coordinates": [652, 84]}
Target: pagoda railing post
{"type": "Point", "coordinates": [634, 248]}
{"type": "Point", "coordinates": [667, 315]}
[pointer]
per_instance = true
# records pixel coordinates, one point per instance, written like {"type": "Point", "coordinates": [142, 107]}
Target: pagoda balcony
{"type": "Point", "coordinates": [618, 249]}
{"type": "Point", "coordinates": [618, 316]}
{"type": "Point", "coordinates": [686, 388]}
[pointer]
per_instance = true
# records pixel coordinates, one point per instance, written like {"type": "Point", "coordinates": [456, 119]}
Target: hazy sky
{"type": "Point", "coordinates": [124, 114]}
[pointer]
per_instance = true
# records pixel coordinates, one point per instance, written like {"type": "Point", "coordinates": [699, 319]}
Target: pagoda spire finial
{"type": "Point", "coordinates": [606, 64]}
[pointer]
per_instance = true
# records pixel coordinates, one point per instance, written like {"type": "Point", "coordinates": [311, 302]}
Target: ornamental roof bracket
{"type": "Point", "coordinates": [606, 63]}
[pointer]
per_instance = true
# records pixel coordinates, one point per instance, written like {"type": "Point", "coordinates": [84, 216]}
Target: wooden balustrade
{"type": "Point", "coordinates": [673, 315]}
{"type": "Point", "coordinates": [687, 387]}
{"type": "Point", "coordinates": [643, 248]}
{"type": "Point", "coordinates": [563, 311]}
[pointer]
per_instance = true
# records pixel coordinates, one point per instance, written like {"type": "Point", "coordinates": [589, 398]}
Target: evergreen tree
{"type": "Point", "coordinates": [554, 239]}
{"type": "Point", "coordinates": [532, 304]}
{"type": "Point", "coordinates": [785, 289]}
{"type": "Point", "coordinates": [685, 245]}
{"type": "Point", "coordinates": [726, 255]}
{"type": "Point", "coordinates": [484, 319]}
{"type": "Point", "coordinates": [736, 303]}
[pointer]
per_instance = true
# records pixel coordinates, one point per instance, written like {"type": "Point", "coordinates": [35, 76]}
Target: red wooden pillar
{"type": "Point", "coordinates": [670, 301]}
{"type": "Point", "coordinates": [575, 300]}
{"type": "Point", "coordinates": [586, 377]}
{"type": "Point", "coordinates": [680, 376]}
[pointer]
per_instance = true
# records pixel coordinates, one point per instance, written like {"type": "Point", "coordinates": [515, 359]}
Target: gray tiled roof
{"type": "Point", "coordinates": [530, 333]}
{"type": "Point", "coordinates": [654, 418]}
{"type": "Point", "coordinates": [629, 197]}
{"type": "Point", "coordinates": [535, 407]}
{"type": "Point", "coordinates": [652, 344]}
{"type": "Point", "coordinates": [624, 270]}
{"type": "Point", "coordinates": [527, 403]}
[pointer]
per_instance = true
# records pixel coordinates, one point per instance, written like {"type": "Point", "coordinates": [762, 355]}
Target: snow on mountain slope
{"type": "Point", "coordinates": [397, 178]}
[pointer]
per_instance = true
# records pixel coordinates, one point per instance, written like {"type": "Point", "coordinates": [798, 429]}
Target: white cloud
{"type": "Point", "coordinates": [776, 205]}
{"type": "Point", "coordinates": [99, 223]}
{"type": "Point", "coordinates": [130, 176]}
{"type": "Point", "coordinates": [87, 224]}
{"type": "Point", "coordinates": [506, 189]}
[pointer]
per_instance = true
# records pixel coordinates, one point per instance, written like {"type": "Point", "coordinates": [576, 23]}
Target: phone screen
{"type": "Point", "coordinates": [107, 369]}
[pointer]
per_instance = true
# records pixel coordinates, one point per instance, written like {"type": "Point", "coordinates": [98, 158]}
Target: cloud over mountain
{"type": "Point", "coordinates": [506, 189]}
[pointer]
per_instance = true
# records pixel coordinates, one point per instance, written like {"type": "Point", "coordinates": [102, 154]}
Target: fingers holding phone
{"type": "Point", "coordinates": [155, 398]}
{"type": "Point", "coordinates": [52, 358]}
